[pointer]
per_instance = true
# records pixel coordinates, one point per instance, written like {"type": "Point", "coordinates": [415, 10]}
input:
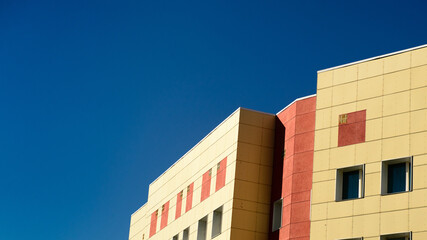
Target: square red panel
{"type": "Point", "coordinates": [351, 128]}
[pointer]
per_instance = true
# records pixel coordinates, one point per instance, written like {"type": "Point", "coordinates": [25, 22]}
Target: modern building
{"type": "Point", "coordinates": [348, 163]}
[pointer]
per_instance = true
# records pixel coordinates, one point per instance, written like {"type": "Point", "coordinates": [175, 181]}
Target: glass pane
{"type": "Point", "coordinates": [396, 178]}
{"type": "Point", "coordinates": [350, 186]}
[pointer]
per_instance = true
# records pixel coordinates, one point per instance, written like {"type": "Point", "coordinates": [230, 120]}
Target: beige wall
{"type": "Point", "coordinates": [393, 90]}
{"type": "Point", "coordinates": [222, 142]}
{"type": "Point", "coordinates": [252, 190]}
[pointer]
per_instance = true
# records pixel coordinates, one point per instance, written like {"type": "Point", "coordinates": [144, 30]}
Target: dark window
{"type": "Point", "coordinates": [350, 185]}
{"type": "Point", "coordinates": [396, 178]}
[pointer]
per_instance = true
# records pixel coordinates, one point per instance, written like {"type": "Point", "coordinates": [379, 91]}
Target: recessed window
{"type": "Point", "coordinates": [350, 183]}
{"type": "Point", "coordinates": [397, 236]}
{"type": "Point", "coordinates": [175, 237]}
{"type": "Point", "coordinates": [201, 229]}
{"type": "Point", "coordinates": [396, 176]}
{"type": "Point", "coordinates": [277, 215]}
{"type": "Point", "coordinates": [217, 222]}
{"type": "Point", "coordinates": [186, 234]}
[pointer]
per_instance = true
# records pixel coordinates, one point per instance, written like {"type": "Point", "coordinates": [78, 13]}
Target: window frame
{"type": "Point", "coordinates": [277, 209]}
{"type": "Point", "coordinates": [339, 182]}
{"type": "Point", "coordinates": [409, 174]}
{"type": "Point", "coordinates": [217, 222]}
{"type": "Point", "coordinates": [406, 235]}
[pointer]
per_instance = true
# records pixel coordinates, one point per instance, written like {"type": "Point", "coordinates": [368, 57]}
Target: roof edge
{"type": "Point", "coordinates": [372, 58]}
{"type": "Point", "coordinates": [298, 99]}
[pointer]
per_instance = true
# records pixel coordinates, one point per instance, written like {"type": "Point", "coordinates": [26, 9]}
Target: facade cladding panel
{"type": "Point", "coordinates": [206, 185]}
{"type": "Point", "coordinates": [364, 133]}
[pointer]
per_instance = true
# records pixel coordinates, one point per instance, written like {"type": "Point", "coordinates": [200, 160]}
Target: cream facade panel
{"type": "Point", "coordinates": [419, 77]}
{"type": "Point", "coordinates": [324, 79]}
{"type": "Point", "coordinates": [345, 75]}
{"type": "Point", "coordinates": [393, 90]}
{"type": "Point", "coordinates": [397, 62]}
{"type": "Point", "coordinates": [370, 88]}
{"type": "Point", "coordinates": [419, 57]}
{"type": "Point", "coordinates": [397, 82]}
{"type": "Point", "coordinates": [370, 69]}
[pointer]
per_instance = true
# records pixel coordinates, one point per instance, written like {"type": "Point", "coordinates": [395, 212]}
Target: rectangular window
{"type": "Point", "coordinates": [201, 228]}
{"type": "Point", "coordinates": [277, 215]}
{"type": "Point", "coordinates": [217, 222]}
{"type": "Point", "coordinates": [396, 176]}
{"type": "Point", "coordinates": [350, 183]}
{"type": "Point", "coordinates": [397, 236]}
{"type": "Point", "coordinates": [175, 237]}
{"type": "Point", "coordinates": [186, 234]}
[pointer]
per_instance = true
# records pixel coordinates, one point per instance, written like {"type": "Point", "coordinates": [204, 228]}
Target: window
{"type": "Point", "coordinates": [185, 234]}
{"type": "Point", "coordinates": [350, 183]}
{"type": "Point", "coordinates": [217, 222]}
{"type": "Point", "coordinates": [396, 176]}
{"type": "Point", "coordinates": [201, 229]}
{"type": "Point", "coordinates": [397, 236]}
{"type": "Point", "coordinates": [277, 215]}
{"type": "Point", "coordinates": [175, 237]}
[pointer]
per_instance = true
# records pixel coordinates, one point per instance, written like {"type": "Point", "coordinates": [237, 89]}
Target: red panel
{"type": "Point", "coordinates": [288, 165]}
{"type": "Point", "coordinates": [305, 123]}
{"type": "Point", "coordinates": [165, 214]}
{"type": "Point", "coordinates": [287, 186]}
{"type": "Point", "coordinates": [306, 105]}
{"type": "Point", "coordinates": [302, 182]}
{"type": "Point", "coordinates": [300, 196]}
{"type": "Point", "coordinates": [303, 162]}
{"type": "Point", "coordinates": [288, 113]}
{"type": "Point", "coordinates": [353, 130]}
{"type": "Point", "coordinates": [299, 122]}
{"type": "Point", "coordinates": [189, 201]}
{"type": "Point", "coordinates": [290, 129]}
{"type": "Point", "coordinates": [289, 147]}
{"type": "Point", "coordinates": [220, 175]}
{"type": "Point", "coordinates": [304, 142]}
{"type": "Point", "coordinates": [286, 215]}
{"type": "Point", "coordinates": [153, 224]}
{"type": "Point", "coordinates": [206, 185]}
{"type": "Point", "coordinates": [178, 205]}
{"type": "Point", "coordinates": [300, 212]}
{"type": "Point", "coordinates": [301, 229]}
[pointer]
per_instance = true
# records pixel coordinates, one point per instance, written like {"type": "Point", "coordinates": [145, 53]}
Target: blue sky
{"type": "Point", "coordinates": [98, 98]}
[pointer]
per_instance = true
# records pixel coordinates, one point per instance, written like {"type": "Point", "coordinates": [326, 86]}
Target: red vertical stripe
{"type": "Point", "coordinates": [189, 201]}
{"type": "Point", "coordinates": [206, 185]}
{"type": "Point", "coordinates": [153, 224]}
{"type": "Point", "coordinates": [165, 213]}
{"type": "Point", "coordinates": [220, 175]}
{"type": "Point", "coordinates": [178, 205]}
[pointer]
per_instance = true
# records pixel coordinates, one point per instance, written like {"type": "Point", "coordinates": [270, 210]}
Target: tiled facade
{"type": "Point", "coordinates": [347, 163]}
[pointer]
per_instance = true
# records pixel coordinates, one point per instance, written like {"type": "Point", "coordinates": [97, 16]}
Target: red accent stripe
{"type": "Point", "coordinates": [220, 176]}
{"type": "Point", "coordinates": [189, 201]}
{"type": "Point", "coordinates": [206, 185]}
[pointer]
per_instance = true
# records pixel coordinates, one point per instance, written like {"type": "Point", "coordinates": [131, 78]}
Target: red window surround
{"type": "Point", "coordinates": [153, 224]}
{"type": "Point", "coordinates": [189, 201]}
{"type": "Point", "coordinates": [178, 205]}
{"type": "Point", "coordinates": [206, 185]}
{"type": "Point", "coordinates": [220, 175]}
{"type": "Point", "coordinates": [165, 213]}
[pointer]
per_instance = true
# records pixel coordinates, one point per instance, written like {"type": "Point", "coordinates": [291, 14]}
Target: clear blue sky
{"type": "Point", "coordinates": [98, 98]}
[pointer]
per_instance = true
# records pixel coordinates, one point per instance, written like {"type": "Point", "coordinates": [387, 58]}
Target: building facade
{"type": "Point", "coordinates": [348, 163]}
